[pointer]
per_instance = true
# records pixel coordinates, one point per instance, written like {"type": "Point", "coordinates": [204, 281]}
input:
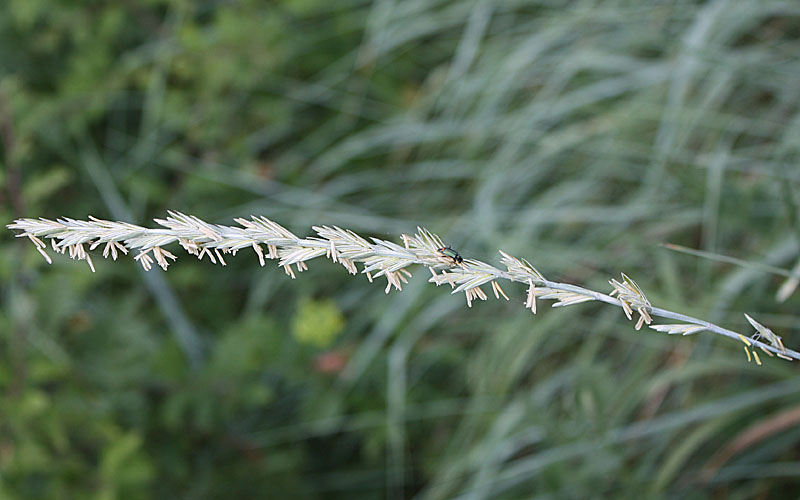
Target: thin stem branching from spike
{"type": "Point", "coordinates": [376, 258]}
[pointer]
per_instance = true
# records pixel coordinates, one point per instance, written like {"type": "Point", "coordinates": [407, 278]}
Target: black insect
{"type": "Point", "coordinates": [449, 252]}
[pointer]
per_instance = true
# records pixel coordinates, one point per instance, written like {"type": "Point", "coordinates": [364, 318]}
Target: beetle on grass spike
{"type": "Point", "coordinates": [449, 252]}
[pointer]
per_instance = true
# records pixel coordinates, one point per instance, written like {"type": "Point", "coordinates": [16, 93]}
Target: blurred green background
{"type": "Point", "coordinates": [579, 135]}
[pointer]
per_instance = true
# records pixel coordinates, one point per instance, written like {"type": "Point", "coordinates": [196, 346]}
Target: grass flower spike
{"type": "Point", "coordinates": [376, 257]}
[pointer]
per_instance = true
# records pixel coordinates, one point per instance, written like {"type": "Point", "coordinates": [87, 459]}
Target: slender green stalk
{"type": "Point", "coordinates": [377, 257]}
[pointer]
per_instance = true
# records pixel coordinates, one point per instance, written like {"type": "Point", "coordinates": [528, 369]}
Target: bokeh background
{"type": "Point", "coordinates": [579, 135]}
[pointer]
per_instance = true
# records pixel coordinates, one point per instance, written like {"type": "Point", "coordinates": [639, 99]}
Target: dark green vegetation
{"type": "Point", "coordinates": [578, 136]}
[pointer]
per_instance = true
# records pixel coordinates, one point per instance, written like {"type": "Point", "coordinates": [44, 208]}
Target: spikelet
{"type": "Point", "coordinates": [632, 298]}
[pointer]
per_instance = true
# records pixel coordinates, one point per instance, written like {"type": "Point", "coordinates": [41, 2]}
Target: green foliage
{"type": "Point", "coordinates": [317, 322]}
{"type": "Point", "coordinates": [578, 136]}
